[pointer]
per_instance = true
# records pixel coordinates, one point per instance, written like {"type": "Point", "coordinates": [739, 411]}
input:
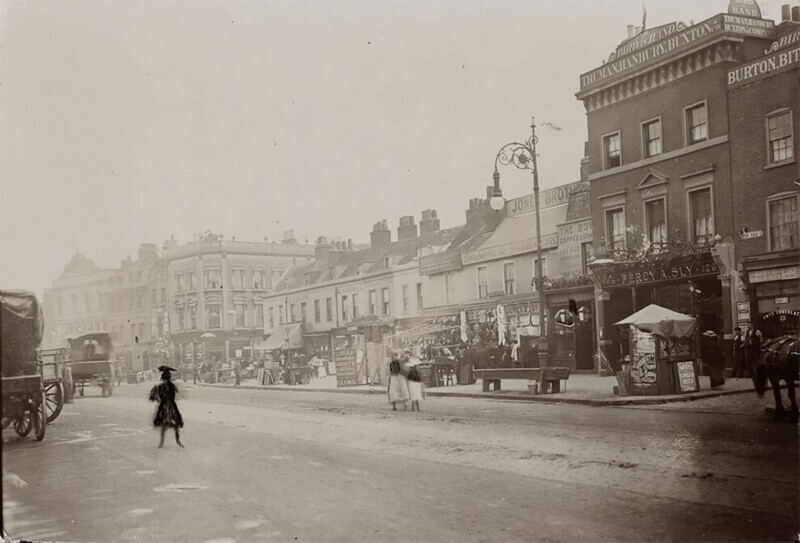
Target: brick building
{"type": "Point", "coordinates": [660, 168]}
{"type": "Point", "coordinates": [764, 106]}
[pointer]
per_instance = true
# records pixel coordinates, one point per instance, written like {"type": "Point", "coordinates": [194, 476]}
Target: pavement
{"type": "Point", "coordinates": [579, 389]}
{"type": "Point", "coordinates": [319, 467]}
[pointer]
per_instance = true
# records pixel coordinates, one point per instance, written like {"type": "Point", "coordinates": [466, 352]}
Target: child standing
{"type": "Point", "coordinates": [416, 390]}
{"type": "Point", "coordinates": [398, 385]}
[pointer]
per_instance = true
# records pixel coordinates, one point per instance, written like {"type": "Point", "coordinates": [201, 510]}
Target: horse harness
{"type": "Point", "coordinates": [769, 354]}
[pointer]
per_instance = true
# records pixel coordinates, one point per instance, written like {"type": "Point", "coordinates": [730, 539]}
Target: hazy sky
{"type": "Point", "coordinates": [127, 122]}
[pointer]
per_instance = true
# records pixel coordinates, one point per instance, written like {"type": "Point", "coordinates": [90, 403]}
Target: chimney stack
{"type": "Point", "coordinates": [630, 31]}
{"type": "Point", "coordinates": [288, 237]}
{"type": "Point", "coordinates": [638, 30]}
{"type": "Point", "coordinates": [381, 235]}
{"type": "Point", "coordinates": [585, 168]}
{"type": "Point", "coordinates": [786, 12]}
{"type": "Point", "coordinates": [407, 228]}
{"type": "Point", "coordinates": [322, 249]}
{"type": "Point", "coordinates": [796, 14]}
{"type": "Point", "coordinates": [429, 222]}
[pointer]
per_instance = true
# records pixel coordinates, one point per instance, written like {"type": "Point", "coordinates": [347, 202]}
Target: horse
{"type": "Point", "coordinates": [779, 361]}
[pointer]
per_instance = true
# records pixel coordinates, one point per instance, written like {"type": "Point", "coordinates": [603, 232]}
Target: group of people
{"type": "Point", "coordinates": [746, 350]}
{"type": "Point", "coordinates": [405, 383]}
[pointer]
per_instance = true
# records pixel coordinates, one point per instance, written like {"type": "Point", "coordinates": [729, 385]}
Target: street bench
{"type": "Point", "coordinates": [547, 379]}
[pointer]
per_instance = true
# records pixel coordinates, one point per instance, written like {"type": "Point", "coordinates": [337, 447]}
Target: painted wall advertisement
{"type": "Point", "coordinates": [643, 357]}
{"type": "Point", "coordinates": [571, 238]}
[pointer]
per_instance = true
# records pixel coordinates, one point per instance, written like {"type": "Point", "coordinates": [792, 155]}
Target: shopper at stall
{"type": "Point", "coordinates": [398, 384]}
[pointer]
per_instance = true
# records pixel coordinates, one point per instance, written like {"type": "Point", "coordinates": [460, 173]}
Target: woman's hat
{"type": "Point", "coordinates": [166, 368]}
{"type": "Point", "coordinates": [710, 333]}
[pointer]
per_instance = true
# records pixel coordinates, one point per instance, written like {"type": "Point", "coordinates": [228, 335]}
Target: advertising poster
{"type": "Point", "coordinates": [643, 357]}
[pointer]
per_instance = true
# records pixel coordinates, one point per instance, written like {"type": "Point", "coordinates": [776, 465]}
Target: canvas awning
{"type": "Point", "coordinates": [278, 340]}
{"type": "Point", "coordinates": [662, 322]}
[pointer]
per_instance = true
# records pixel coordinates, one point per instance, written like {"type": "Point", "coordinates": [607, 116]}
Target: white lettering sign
{"type": "Point", "coordinates": [764, 66]}
{"type": "Point", "coordinates": [779, 274]}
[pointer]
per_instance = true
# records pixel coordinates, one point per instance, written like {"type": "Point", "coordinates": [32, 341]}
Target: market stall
{"type": "Point", "coordinates": [661, 353]}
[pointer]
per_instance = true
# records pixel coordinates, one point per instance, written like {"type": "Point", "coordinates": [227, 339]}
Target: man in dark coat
{"type": "Point", "coordinates": [167, 413]}
{"type": "Point", "coordinates": [738, 353]}
{"type": "Point", "coordinates": [711, 353]}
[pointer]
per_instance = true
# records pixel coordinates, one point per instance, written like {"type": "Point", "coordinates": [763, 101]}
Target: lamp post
{"type": "Point", "coordinates": [523, 157]}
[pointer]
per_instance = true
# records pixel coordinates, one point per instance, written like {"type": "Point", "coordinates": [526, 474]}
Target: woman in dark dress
{"type": "Point", "coordinates": [167, 414]}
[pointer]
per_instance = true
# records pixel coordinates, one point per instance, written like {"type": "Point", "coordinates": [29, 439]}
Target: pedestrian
{"type": "Point", "coordinates": [416, 390]}
{"type": "Point", "coordinates": [752, 347]}
{"type": "Point", "coordinates": [711, 354]}
{"type": "Point", "coordinates": [195, 372]}
{"type": "Point", "coordinates": [738, 353]}
{"type": "Point", "coordinates": [237, 372]}
{"type": "Point", "coordinates": [398, 384]}
{"type": "Point", "coordinates": [167, 414]}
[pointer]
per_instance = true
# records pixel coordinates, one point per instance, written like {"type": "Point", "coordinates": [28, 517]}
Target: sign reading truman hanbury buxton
{"type": "Point", "coordinates": [681, 41]}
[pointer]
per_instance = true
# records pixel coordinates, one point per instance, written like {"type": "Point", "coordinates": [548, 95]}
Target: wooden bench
{"type": "Point", "coordinates": [547, 379]}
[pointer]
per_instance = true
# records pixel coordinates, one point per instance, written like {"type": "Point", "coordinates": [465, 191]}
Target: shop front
{"type": "Point", "coordinates": [686, 284]}
{"type": "Point", "coordinates": [571, 338]}
{"type": "Point", "coordinates": [772, 284]}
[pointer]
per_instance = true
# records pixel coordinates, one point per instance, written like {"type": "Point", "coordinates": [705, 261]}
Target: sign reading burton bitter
{"type": "Point", "coordinates": [782, 55]}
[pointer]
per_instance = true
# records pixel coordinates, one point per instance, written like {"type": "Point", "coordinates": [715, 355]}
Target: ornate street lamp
{"type": "Point", "coordinates": [599, 271]}
{"type": "Point", "coordinates": [523, 157]}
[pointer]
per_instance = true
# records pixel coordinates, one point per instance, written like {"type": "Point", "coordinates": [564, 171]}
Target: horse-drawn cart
{"type": "Point", "coordinates": [20, 335]}
{"type": "Point", "coordinates": [91, 363]}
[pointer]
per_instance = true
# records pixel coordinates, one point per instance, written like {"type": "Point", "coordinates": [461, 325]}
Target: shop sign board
{"type": "Point", "coordinates": [769, 65]}
{"type": "Point", "coordinates": [776, 274]}
{"type": "Point", "coordinates": [782, 300]}
{"type": "Point", "coordinates": [747, 8]}
{"type": "Point", "coordinates": [661, 273]}
{"type": "Point", "coordinates": [346, 368]}
{"type": "Point", "coordinates": [782, 313]}
{"type": "Point", "coordinates": [742, 313]}
{"type": "Point", "coordinates": [571, 238]}
{"type": "Point", "coordinates": [646, 38]}
{"type": "Point", "coordinates": [509, 249]}
{"type": "Point", "coordinates": [687, 378]}
{"type": "Point", "coordinates": [678, 42]}
{"type": "Point", "coordinates": [547, 198]}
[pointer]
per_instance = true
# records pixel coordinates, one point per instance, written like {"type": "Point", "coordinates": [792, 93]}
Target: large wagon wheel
{"type": "Point", "coordinates": [39, 419]}
{"type": "Point", "coordinates": [306, 378]}
{"type": "Point", "coordinates": [54, 397]}
{"type": "Point", "coordinates": [291, 378]}
{"type": "Point", "coordinates": [23, 424]}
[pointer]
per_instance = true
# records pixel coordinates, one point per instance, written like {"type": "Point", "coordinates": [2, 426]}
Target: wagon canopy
{"type": "Point", "coordinates": [96, 346]}
{"type": "Point", "coordinates": [662, 322]}
{"type": "Point", "coordinates": [21, 331]}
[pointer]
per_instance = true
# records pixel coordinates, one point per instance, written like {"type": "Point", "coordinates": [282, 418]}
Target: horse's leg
{"type": "Point", "coordinates": [792, 397]}
{"type": "Point", "coordinates": [775, 381]}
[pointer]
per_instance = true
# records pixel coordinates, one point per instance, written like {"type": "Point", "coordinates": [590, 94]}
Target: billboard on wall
{"type": "Point", "coordinates": [571, 238]}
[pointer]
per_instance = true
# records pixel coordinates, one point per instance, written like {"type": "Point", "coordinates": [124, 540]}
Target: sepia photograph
{"type": "Point", "coordinates": [412, 271]}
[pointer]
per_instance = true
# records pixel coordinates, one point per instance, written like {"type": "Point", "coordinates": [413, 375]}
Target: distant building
{"type": "Point", "coordinates": [216, 289]}
{"type": "Point", "coordinates": [75, 304]}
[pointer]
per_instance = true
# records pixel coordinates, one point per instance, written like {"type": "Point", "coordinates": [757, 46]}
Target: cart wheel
{"type": "Point", "coordinates": [305, 379]}
{"type": "Point", "coordinates": [39, 420]}
{"type": "Point", "coordinates": [22, 424]}
{"type": "Point", "coordinates": [54, 397]}
{"type": "Point", "coordinates": [291, 378]}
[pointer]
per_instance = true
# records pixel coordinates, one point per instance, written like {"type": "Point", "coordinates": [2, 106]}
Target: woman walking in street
{"type": "Point", "coordinates": [167, 414]}
{"type": "Point", "coordinates": [398, 384]}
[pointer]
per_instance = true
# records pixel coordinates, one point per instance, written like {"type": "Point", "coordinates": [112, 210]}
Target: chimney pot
{"type": "Point", "coordinates": [796, 14]}
{"type": "Point", "coordinates": [407, 229]}
{"type": "Point", "coordinates": [786, 12]}
{"type": "Point", "coordinates": [630, 31]}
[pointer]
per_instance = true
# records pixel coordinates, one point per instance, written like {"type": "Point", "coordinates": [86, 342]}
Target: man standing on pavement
{"type": "Point", "coordinates": [738, 353]}
{"type": "Point", "coordinates": [237, 372]}
{"type": "Point", "coordinates": [752, 342]}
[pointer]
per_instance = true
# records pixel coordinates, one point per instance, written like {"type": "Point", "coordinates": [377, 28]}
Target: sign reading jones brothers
{"type": "Point", "coordinates": [662, 273]}
{"type": "Point", "coordinates": [547, 198]}
{"type": "Point", "coordinates": [723, 23]}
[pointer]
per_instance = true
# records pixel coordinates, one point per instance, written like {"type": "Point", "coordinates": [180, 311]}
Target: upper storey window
{"type": "Point", "coordinates": [697, 123]}
{"type": "Point", "coordinates": [612, 151]}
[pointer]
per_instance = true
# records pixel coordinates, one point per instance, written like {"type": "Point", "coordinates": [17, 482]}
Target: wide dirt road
{"type": "Point", "coordinates": [296, 466]}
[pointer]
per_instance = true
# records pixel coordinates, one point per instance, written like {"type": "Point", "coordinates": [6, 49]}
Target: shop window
{"type": "Point", "coordinates": [385, 300]}
{"type": "Point", "coordinates": [696, 123]}
{"type": "Point", "coordinates": [784, 223]}
{"type": "Point", "coordinates": [419, 297]}
{"type": "Point", "coordinates": [329, 309]}
{"type": "Point", "coordinates": [656, 220]}
{"type": "Point", "coordinates": [779, 137]}
{"type": "Point", "coordinates": [651, 134]}
{"type": "Point", "coordinates": [404, 290]}
{"type": "Point", "coordinates": [615, 229]}
{"type": "Point", "coordinates": [509, 278]}
{"type": "Point", "coordinates": [317, 311]}
{"type": "Point", "coordinates": [702, 215]}
{"type": "Point", "coordinates": [612, 151]}
{"type": "Point", "coordinates": [483, 285]}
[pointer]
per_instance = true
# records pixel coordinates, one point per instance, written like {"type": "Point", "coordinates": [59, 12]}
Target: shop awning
{"type": "Point", "coordinates": [662, 322]}
{"type": "Point", "coordinates": [278, 340]}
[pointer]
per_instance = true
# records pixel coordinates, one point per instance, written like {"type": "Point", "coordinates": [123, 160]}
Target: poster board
{"type": "Point", "coordinates": [686, 376]}
{"type": "Point", "coordinates": [644, 372]}
{"type": "Point", "coordinates": [346, 368]}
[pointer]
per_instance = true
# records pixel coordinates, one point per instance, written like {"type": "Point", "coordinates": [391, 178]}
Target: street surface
{"type": "Point", "coordinates": [290, 466]}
